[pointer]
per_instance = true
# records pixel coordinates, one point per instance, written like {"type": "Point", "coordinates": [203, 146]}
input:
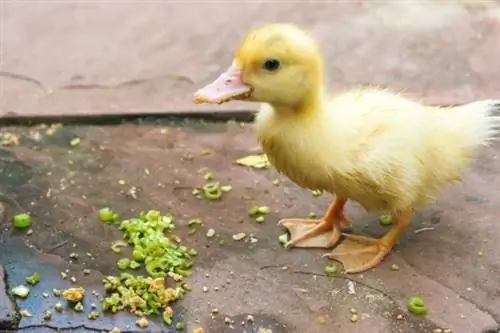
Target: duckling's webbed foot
{"type": "Point", "coordinates": [323, 233]}
{"type": "Point", "coordinates": [359, 253]}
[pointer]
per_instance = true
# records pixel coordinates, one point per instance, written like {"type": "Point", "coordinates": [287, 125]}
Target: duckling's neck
{"type": "Point", "coordinates": [310, 106]}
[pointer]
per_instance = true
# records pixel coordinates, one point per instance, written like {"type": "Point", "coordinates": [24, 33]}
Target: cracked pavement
{"type": "Point", "coordinates": [124, 59]}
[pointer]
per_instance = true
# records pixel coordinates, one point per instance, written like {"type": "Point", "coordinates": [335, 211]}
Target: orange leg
{"type": "Point", "coordinates": [324, 232]}
{"type": "Point", "coordinates": [359, 254]}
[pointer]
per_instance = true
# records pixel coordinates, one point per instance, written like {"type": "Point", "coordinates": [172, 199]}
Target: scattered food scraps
{"type": "Point", "coordinates": [107, 215]}
{"type": "Point", "coordinates": [116, 246]}
{"type": "Point", "coordinates": [416, 306]}
{"type": "Point", "coordinates": [254, 161]}
{"type": "Point", "coordinates": [142, 322]}
{"type": "Point", "coordinates": [74, 142]}
{"type": "Point", "coordinates": [331, 270]}
{"type": "Point", "coordinates": [21, 291]}
{"type": "Point", "coordinates": [385, 219]}
{"type": "Point", "coordinates": [58, 307]}
{"type": "Point", "coordinates": [22, 221]}
{"type": "Point", "coordinates": [211, 191]}
{"type": "Point", "coordinates": [33, 279]}
{"type": "Point", "coordinates": [9, 139]}
{"type": "Point", "coordinates": [210, 233]}
{"type": "Point", "coordinates": [239, 236]}
{"type": "Point", "coordinates": [74, 295]}
{"type": "Point", "coordinates": [283, 239]}
{"type": "Point", "coordinates": [162, 256]}
{"type": "Point", "coordinates": [25, 313]}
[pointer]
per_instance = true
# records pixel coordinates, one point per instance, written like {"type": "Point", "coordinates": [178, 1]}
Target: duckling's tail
{"type": "Point", "coordinates": [479, 121]}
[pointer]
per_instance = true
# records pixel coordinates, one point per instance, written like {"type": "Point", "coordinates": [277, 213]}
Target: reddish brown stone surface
{"type": "Point", "coordinates": [103, 58]}
{"type": "Point", "coordinates": [454, 265]}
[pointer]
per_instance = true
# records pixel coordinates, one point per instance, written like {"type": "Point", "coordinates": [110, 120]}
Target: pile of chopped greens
{"type": "Point", "coordinates": [160, 255]}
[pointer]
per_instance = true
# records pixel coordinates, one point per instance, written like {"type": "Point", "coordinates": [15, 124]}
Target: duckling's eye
{"type": "Point", "coordinates": [271, 64]}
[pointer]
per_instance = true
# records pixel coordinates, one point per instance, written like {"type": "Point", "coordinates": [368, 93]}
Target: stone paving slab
{"type": "Point", "coordinates": [285, 290]}
{"type": "Point", "coordinates": [71, 58]}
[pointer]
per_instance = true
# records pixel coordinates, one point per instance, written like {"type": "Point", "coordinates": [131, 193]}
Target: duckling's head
{"type": "Point", "coordinates": [277, 63]}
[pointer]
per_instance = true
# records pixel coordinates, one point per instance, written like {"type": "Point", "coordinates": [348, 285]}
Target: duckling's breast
{"type": "Point", "coordinates": [307, 154]}
{"type": "Point", "coordinates": [299, 152]}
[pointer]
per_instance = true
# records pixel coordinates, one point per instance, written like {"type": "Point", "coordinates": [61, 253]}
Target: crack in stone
{"type": "Point", "coordinates": [16, 318]}
{"type": "Point", "coordinates": [89, 86]}
{"type": "Point", "coordinates": [65, 328]}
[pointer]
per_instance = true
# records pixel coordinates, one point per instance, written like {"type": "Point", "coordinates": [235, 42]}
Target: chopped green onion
{"type": "Point", "coordinates": [22, 221]}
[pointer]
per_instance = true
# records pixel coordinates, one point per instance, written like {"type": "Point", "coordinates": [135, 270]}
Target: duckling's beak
{"type": "Point", "coordinates": [226, 87]}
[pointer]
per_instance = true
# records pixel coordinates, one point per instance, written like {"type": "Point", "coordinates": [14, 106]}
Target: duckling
{"type": "Point", "coordinates": [369, 145]}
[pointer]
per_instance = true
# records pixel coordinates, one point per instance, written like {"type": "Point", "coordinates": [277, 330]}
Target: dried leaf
{"type": "Point", "coordinates": [254, 161]}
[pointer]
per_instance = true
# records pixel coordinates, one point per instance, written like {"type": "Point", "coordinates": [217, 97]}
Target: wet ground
{"type": "Point", "coordinates": [67, 60]}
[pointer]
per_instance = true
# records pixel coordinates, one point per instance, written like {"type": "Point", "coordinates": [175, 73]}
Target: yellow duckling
{"type": "Point", "coordinates": [375, 147]}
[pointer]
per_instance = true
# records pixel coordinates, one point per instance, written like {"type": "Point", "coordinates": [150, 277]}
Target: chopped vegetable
{"type": "Point", "coordinates": [276, 182]}
{"type": "Point", "coordinates": [57, 292]}
{"type": "Point", "coordinates": [331, 270]}
{"type": "Point", "coordinates": [123, 263]}
{"type": "Point", "coordinates": [74, 142]}
{"type": "Point", "coordinates": [58, 307]}
{"type": "Point", "coordinates": [107, 215]}
{"type": "Point", "coordinates": [25, 313]}
{"type": "Point", "coordinates": [116, 246]}
{"type": "Point", "coordinates": [161, 255]}
{"type": "Point", "coordinates": [193, 222]}
{"type": "Point", "coordinates": [93, 315]}
{"type": "Point", "coordinates": [33, 279]}
{"type": "Point", "coordinates": [385, 219]}
{"type": "Point", "coordinates": [212, 191]}
{"type": "Point", "coordinates": [239, 236]}
{"type": "Point", "coordinates": [226, 188]}
{"type": "Point", "coordinates": [417, 306]}
{"type": "Point", "coordinates": [47, 315]}
{"type": "Point", "coordinates": [264, 210]}
{"type": "Point", "coordinates": [74, 295]}
{"type": "Point", "coordinates": [260, 219]}
{"type": "Point", "coordinates": [142, 322]}
{"type": "Point", "coordinates": [167, 315]}
{"type": "Point", "coordinates": [210, 233]}
{"type": "Point", "coordinates": [179, 326]}
{"type": "Point", "coordinates": [22, 221]}
{"type": "Point", "coordinates": [134, 264]}
{"type": "Point", "coordinates": [21, 291]}
{"type": "Point", "coordinates": [316, 193]}
{"type": "Point", "coordinates": [283, 239]}
{"type": "Point", "coordinates": [78, 307]}
{"type": "Point", "coordinates": [312, 215]}
{"type": "Point", "coordinates": [208, 176]}
{"type": "Point", "coordinates": [254, 210]}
